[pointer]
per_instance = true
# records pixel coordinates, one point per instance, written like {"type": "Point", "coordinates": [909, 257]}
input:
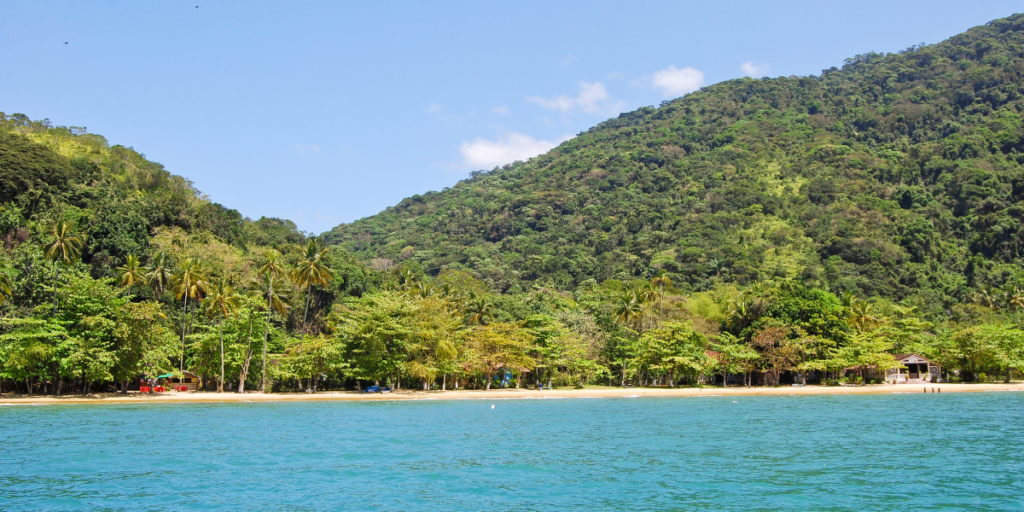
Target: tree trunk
{"type": "Point", "coordinates": [444, 381]}
{"type": "Point", "coordinates": [184, 309]}
{"type": "Point", "coordinates": [56, 283]}
{"type": "Point", "coordinates": [305, 312]}
{"type": "Point", "coordinates": [661, 305]}
{"type": "Point", "coordinates": [248, 357]}
{"type": "Point", "coordinates": [220, 383]}
{"type": "Point", "coordinates": [489, 379]}
{"type": "Point", "coordinates": [266, 334]}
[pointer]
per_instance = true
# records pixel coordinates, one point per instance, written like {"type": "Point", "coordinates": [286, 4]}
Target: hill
{"type": "Point", "coordinates": [897, 175]}
{"type": "Point", "coordinates": [113, 194]}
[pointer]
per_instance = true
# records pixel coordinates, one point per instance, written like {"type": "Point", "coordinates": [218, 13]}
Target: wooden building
{"type": "Point", "coordinates": [916, 369]}
{"type": "Point", "coordinates": [190, 381]}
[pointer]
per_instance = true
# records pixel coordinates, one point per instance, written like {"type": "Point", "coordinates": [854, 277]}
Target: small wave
{"type": "Point", "coordinates": [631, 396]}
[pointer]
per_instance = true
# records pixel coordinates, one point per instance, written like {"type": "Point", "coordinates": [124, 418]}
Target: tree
{"type": "Point", "coordinates": [734, 356]}
{"type": "Point", "coordinates": [28, 350]}
{"type": "Point", "coordinates": [245, 321]}
{"type": "Point", "coordinates": [6, 285]}
{"type": "Point", "coordinates": [145, 345]}
{"type": "Point", "coordinates": [378, 329]}
{"type": "Point", "coordinates": [777, 353]}
{"type": "Point", "coordinates": [130, 274]}
{"type": "Point", "coordinates": [271, 272]}
{"type": "Point", "coordinates": [435, 341]}
{"type": "Point", "coordinates": [1015, 301]}
{"type": "Point", "coordinates": [661, 281]}
{"type": "Point", "coordinates": [189, 282]}
{"type": "Point", "coordinates": [64, 250]}
{"type": "Point", "coordinates": [628, 307]}
{"type": "Point", "coordinates": [318, 355]}
{"type": "Point", "coordinates": [672, 349]}
{"type": "Point", "coordinates": [159, 275]}
{"type": "Point", "coordinates": [861, 317]}
{"type": "Point", "coordinates": [311, 271]}
{"type": "Point", "coordinates": [866, 350]}
{"type": "Point", "coordinates": [500, 345]}
{"type": "Point", "coordinates": [480, 308]}
{"type": "Point", "coordinates": [221, 302]}
{"type": "Point", "coordinates": [989, 346]}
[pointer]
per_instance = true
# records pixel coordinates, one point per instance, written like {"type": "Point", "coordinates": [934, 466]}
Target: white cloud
{"type": "Point", "coordinates": [675, 81]}
{"type": "Point", "coordinates": [567, 60]}
{"type": "Point", "coordinates": [755, 70]}
{"type": "Point", "coordinates": [500, 110]}
{"type": "Point", "coordinates": [433, 108]}
{"type": "Point", "coordinates": [511, 146]}
{"type": "Point", "coordinates": [306, 149]}
{"type": "Point", "coordinates": [593, 98]}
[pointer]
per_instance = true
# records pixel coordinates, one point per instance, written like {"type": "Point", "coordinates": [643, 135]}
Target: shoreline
{"type": "Point", "coordinates": [502, 394]}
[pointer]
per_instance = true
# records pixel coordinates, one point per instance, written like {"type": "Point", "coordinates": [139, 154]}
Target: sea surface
{"type": "Point", "coordinates": [881, 452]}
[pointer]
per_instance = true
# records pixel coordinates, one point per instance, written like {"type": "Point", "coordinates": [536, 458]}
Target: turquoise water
{"type": "Point", "coordinates": [909, 452]}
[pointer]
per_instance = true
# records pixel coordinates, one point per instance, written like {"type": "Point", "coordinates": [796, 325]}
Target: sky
{"type": "Point", "coordinates": [327, 112]}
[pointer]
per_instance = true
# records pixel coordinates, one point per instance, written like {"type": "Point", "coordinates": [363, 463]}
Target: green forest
{"type": "Point", "coordinates": [755, 232]}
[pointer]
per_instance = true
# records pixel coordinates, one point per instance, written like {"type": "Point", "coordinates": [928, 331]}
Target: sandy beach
{"type": "Point", "coordinates": [504, 394]}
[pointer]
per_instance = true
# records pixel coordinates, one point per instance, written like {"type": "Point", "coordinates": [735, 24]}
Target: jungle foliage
{"type": "Point", "coordinates": [756, 232]}
{"type": "Point", "coordinates": [897, 175]}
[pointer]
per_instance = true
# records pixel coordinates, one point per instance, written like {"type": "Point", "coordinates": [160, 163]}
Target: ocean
{"type": "Point", "coordinates": [876, 452]}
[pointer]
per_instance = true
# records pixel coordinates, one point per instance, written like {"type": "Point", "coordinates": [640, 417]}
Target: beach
{"type": "Point", "coordinates": [505, 394]}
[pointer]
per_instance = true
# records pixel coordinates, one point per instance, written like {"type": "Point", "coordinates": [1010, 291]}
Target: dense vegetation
{"type": "Point", "coordinates": [897, 176]}
{"type": "Point", "coordinates": [758, 230]}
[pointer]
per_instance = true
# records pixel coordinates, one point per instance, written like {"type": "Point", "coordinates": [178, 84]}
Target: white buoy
{"type": "Point", "coordinates": [735, 402]}
{"type": "Point", "coordinates": [492, 406]}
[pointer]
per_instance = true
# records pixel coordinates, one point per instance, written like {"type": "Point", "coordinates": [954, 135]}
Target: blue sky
{"type": "Point", "coordinates": [325, 112]}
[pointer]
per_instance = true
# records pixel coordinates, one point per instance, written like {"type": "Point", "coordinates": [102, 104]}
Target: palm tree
{"type": "Point", "coordinates": [424, 289]}
{"type": "Point", "coordinates": [311, 271]}
{"type": "Point", "coordinates": [644, 295]}
{"type": "Point", "coordinates": [479, 309]}
{"type": "Point", "coordinates": [1015, 301]}
{"type": "Point", "coordinates": [221, 301]}
{"type": "Point", "coordinates": [847, 298]}
{"type": "Point", "coordinates": [861, 317]}
{"type": "Point", "coordinates": [159, 274]}
{"type": "Point", "coordinates": [406, 278]}
{"type": "Point", "coordinates": [271, 272]}
{"type": "Point", "coordinates": [660, 281]}
{"type": "Point", "coordinates": [66, 250]}
{"type": "Point", "coordinates": [986, 298]}
{"type": "Point", "coordinates": [189, 282]}
{"type": "Point", "coordinates": [131, 273]}
{"type": "Point", "coordinates": [6, 285]}
{"type": "Point", "coordinates": [627, 307]}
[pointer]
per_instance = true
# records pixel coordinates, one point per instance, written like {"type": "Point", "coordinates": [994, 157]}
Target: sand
{"type": "Point", "coordinates": [499, 394]}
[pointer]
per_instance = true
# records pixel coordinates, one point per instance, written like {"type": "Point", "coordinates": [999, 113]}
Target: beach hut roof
{"type": "Point", "coordinates": [911, 358]}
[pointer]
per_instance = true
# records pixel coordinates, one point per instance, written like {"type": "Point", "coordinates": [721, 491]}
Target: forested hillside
{"type": "Point", "coordinates": [754, 232]}
{"type": "Point", "coordinates": [897, 175]}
